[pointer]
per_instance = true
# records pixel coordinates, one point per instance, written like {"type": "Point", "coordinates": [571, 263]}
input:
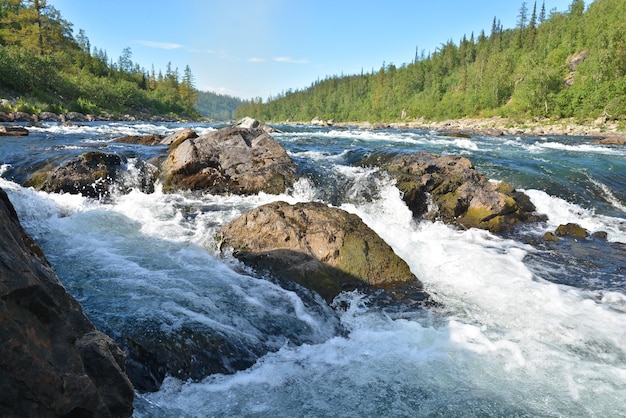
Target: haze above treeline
{"type": "Point", "coordinates": [551, 65]}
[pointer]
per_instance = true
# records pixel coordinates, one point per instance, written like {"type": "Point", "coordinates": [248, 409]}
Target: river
{"type": "Point", "coordinates": [522, 327]}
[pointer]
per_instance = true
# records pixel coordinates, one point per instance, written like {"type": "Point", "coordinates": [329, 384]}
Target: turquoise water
{"type": "Point", "coordinates": [522, 328]}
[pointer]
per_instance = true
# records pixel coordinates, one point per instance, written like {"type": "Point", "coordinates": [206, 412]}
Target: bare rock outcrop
{"type": "Point", "coordinates": [324, 249]}
{"type": "Point", "coordinates": [53, 362]}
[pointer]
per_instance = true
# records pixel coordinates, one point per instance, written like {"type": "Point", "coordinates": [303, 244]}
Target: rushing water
{"type": "Point", "coordinates": [522, 327]}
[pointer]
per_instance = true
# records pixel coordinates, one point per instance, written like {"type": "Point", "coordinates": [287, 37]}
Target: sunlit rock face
{"type": "Point", "coordinates": [322, 248]}
{"type": "Point", "coordinates": [229, 160]}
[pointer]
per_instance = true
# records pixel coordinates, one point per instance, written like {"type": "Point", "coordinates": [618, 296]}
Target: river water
{"type": "Point", "coordinates": [522, 327]}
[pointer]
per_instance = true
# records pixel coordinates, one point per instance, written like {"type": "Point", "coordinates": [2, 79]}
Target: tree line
{"type": "Point", "coordinates": [551, 65]}
{"type": "Point", "coordinates": [50, 69]}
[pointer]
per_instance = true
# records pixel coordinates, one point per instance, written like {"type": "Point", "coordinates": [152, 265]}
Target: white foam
{"type": "Point", "coordinates": [466, 144]}
{"type": "Point", "coordinates": [4, 168]}
{"type": "Point", "coordinates": [108, 131]}
{"type": "Point", "coordinates": [583, 148]}
{"type": "Point", "coordinates": [560, 211]}
{"type": "Point", "coordinates": [357, 135]}
{"type": "Point", "coordinates": [612, 199]}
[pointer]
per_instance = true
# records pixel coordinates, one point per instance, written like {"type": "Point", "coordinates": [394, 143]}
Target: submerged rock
{"type": "Point", "coordinates": [450, 188]}
{"type": "Point", "coordinates": [150, 139]}
{"type": "Point", "coordinates": [13, 131]}
{"type": "Point", "coordinates": [322, 248]}
{"type": "Point", "coordinates": [229, 160]}
{"type": "Point", "coordinates": [90, 174]}
{"type": "Point", "coordinates": [191, 352]}
{"type": "Point", "coordinates": [53, 361]}
{"type": "Point", "coordinates": [614, 139]}
{"type": "Point", "coordinates": [457, 134]}
{"type": "Point", "coordinates": [550, 237]}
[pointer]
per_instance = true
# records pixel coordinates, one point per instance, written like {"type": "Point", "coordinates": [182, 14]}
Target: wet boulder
{"type": "Point", "coordinates": [550, 237]}
{"type": "Point", "coordinates": [229, 160]}
{"type": "Point", "coordinates": [90, 174]}
{"type": "Point", "coordinates": [191, 352]}
{"type": "Point", "coordinates": [53, 361]}
{"type": "Point", "coordinates": [322, 248]}
{"type": "Point", "coordinates": [571, 230]}
{"type": "Point", "coordinates": [449, 188]}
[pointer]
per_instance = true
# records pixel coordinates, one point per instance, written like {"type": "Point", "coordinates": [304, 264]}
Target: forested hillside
{"type": "Point", "coordinates": [217, 106]}
{"type": "Point", "coordinates": [50, 69]}
{"type": "Point", "coordinates": [551, 65]}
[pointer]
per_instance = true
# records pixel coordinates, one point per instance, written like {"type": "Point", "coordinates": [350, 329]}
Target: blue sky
{"type": "Point", "coordinates": [259, 48]}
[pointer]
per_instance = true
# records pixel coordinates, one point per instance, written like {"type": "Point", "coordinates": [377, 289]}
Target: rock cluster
{"type": "Point", "coordinates": [574, 231]}
{"type": "Point", "coordinates": [76, 117]}
{"type": "Point", "coordinates": [53, 361]}
{"type": "Point", "coordinates": [449, 188]}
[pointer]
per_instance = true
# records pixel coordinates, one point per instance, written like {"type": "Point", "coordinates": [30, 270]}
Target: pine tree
{"type": "Point", "coordinates": [522, 19]}
{"type": "Point", "coordinates": [34, 25]}
{"type": "Point", "coordinates": [187, 88]}
{"type": "Point", "coordinates": [542, 14]}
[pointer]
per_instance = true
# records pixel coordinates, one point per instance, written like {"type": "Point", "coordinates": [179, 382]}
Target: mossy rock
{"type": "Point", "coordinates": [322, 248]}
{"type": "Point", "coordinates": [550, 237]}
{"type": "Point", "coordinates": [572, 230]}
{"type": "Point", "coordinates": [463, 196]}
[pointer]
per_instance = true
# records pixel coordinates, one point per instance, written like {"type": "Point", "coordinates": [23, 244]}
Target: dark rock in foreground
{"type": "Point", "coordinates": [53, 362]}
{"type": "Point", "coordinates": [461, 195]}
{"type": "Point", "coordinates": [191, 352]}
{"type": "Point", "coordinates": [322, 248]}
{"type": "Point", "coordinates": [229, 160]}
